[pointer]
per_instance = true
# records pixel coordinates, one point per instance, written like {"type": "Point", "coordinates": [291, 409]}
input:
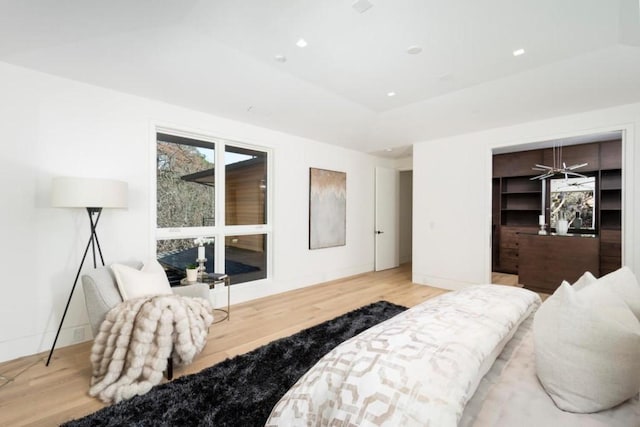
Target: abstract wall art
{"type": "Point", "coordinates": [327, 208]}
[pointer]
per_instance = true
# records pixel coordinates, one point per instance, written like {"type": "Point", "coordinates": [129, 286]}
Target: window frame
{"type": "Point", "coordinates": [220, 230]}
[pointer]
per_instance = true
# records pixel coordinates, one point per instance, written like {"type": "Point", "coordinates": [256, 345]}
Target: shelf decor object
{"type": "Point", "coordinates": [202, 260]}
{"type": "Point", "coordinates": [562, 226]}
{"type": "Point", "coordinates": [542, 230]}
{"type": "Point", "coordinates": [92, 194]}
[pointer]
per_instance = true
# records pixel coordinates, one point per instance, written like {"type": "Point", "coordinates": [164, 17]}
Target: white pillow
{"type": "Point", "coordinates": [623, 283]}
{"type": "Point", "coordinates": [587, 347]}
{"type": "Point", "coordinates": [585, 280]}
{"type": "Point", "coordinates": [132, 283]}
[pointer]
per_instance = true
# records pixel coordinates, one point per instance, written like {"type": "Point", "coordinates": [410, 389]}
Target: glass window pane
{"type": "Point", "coordinates": [185, 182]}
{"type": "Point", "coordinates": [246, 257]}
{"type": "Point", "coordinates": [176, 254]}
{"type": "Point", "coordinates": [245, 186]}
{"type": "Point", "coordinates": [572, 200]}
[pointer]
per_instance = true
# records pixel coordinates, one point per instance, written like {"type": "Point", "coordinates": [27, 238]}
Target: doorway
{"type": "Point", "coordinates": [393, 218]}
{"type": "Point", "coordinates": [527, 209]}
{"type": "Point", "coordinates": [387, 195]}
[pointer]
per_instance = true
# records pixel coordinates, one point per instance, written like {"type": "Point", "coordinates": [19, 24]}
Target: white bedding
{"type": "Point", "coordinates": [417, 369]}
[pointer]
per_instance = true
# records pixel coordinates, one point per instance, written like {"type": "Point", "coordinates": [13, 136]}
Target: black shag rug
{"type": "Point", "coordinates": [240, 391]}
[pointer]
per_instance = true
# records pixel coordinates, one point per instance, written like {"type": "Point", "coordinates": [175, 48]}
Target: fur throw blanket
{"type": "Point", "coordinates": [130, 352]}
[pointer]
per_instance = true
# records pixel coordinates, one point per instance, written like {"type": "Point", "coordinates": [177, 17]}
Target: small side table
{"type": "Point", "coordinates": [212, 280]}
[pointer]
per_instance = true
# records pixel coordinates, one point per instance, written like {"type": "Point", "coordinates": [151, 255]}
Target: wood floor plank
{"type": "Point", "coordinates": [45, 396]}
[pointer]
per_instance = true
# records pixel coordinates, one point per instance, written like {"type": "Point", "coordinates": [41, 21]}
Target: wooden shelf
{"type": "Point", "coordinates": [611, 180]}
{"type": "Point", "coordinates": [610, 203]}
{"type": "Point", "coordinates": [522, 192]}
{"type": "Point", "coordinates": [613, 205]}
{"type": "Point", "coordinates": [520, 201]}
{"type": "Point", "coordinates": [610, 220]}
{"type": "Point", "coordinates": [520, 218]}
{"type": "Point", "coordinates": [520, 184]}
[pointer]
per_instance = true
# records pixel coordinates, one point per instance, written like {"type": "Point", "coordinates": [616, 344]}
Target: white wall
{"type": "Point", "coordinates": [52, 126]}
{"type": "Point", "coordinates": [403, 163]}
{"type": "Point", "coordinates": [452, 193]}
{"type": "Point", "coordinates": [406, 215]}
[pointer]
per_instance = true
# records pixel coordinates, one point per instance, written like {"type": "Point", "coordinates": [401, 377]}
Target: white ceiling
{"type": "Point", "coordinates": [217, 56]}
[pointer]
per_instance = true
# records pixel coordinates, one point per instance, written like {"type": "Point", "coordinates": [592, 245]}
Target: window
{"type": "Point", "coordinates": [246, 186]}
{"type": "Point", "coordinates": [185, 182]}
{"type": "Point", "coordinates": [228, 203]}
{"type": "Point", "coordinates": [573, 200]}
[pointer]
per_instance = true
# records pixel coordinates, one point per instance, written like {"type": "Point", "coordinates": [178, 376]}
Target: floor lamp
{"type": "Point", "coordinates": [93, 195]}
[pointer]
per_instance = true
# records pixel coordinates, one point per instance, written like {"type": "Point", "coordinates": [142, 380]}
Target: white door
{"type": "Point", "coordinates": [387, 226]}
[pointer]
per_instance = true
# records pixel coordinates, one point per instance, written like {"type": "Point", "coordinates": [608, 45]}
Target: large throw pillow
{"type": "Point", "coordinates": [587, 348]}
{"type": "Point", "coordinates": [623, 283]}
{"type": "Point", "coordinates": [585, 280]}
{"type": "Point", "coordinates": [132, 283]}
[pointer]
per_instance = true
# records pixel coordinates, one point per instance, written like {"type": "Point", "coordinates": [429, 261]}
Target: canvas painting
{"type": "Point", "coordinates": [327, 208]}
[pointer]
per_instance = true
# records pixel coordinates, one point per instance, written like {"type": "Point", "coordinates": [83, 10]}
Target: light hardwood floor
{"type": "Point", "coordinates": [32, 394]}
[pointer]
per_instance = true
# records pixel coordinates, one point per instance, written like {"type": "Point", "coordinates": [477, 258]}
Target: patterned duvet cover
{"type": "Point", "coordinates": [417, 369]}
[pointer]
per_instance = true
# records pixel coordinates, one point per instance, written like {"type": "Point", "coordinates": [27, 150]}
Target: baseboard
{"type": "Point", "coordinates": [440, 282]}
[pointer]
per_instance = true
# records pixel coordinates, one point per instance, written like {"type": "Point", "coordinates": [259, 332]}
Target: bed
{"type": "Point", "coordinates": [465, 358]}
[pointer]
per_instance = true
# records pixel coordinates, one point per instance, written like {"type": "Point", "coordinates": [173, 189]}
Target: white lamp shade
{"type": "Point", "coordinates": [72, 192]}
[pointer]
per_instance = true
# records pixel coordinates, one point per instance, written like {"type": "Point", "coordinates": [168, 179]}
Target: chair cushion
{"type": "Point", "coordinates": [587, 347]}
{"type": "Point", "coordinates": [132, 283]}
{"type": "Point", "coordinates": [101, 292]}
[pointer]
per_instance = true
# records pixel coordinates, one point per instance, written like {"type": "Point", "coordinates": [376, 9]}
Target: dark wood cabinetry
{"type": "Point", "coordinates": [509, 248]}
{"type": "Point", "coordinates": [611, 155]}
{"type": "Point", "coordinates": [610, 220]}
{"type": "Point", "coordinates": [517, 204]}
{"type": "Point", "coordinates": [575, 155]}
{"type": "Point", "coordinates": [548, 260]}
{"type": "Point", "coordinates": [516, 164]}
{"type": "Point", "coordinates": [610, 251]}
{"type": "Point", "coordinates": [611, 199]}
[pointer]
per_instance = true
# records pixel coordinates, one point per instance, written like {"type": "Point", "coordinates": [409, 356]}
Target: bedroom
{"type": "Point", "coordinates": [62, 117]}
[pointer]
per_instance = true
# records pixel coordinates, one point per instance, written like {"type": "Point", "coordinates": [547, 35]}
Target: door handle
{"type": "Point", "coordinates": [379, 232]}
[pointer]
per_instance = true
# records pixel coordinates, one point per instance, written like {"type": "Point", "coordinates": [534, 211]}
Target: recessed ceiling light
{"type": "Point", "coordinates": [301, 43]}
{"type": "Point", "coordinates": [361, 6]}
{"type": "Point", "coordinates": [414, 50]}
{"type": "Point", "coordinates": [391, 93]}
{"type": "Point", "coordinates": [280, 58]}
{"type": "Point", "coordinates": [518, 52]}
{"type": "Point", "coordinates": [388, 150]}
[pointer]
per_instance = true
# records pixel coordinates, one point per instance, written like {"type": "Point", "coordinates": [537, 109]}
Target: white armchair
{"type": "Point", "coordinates": [101, 293]}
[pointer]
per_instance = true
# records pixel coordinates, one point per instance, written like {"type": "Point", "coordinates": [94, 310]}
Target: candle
{"type": "Point", "coordinates": [541, 219]}
{"type": "Point", "coordinates": [200, 252]}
